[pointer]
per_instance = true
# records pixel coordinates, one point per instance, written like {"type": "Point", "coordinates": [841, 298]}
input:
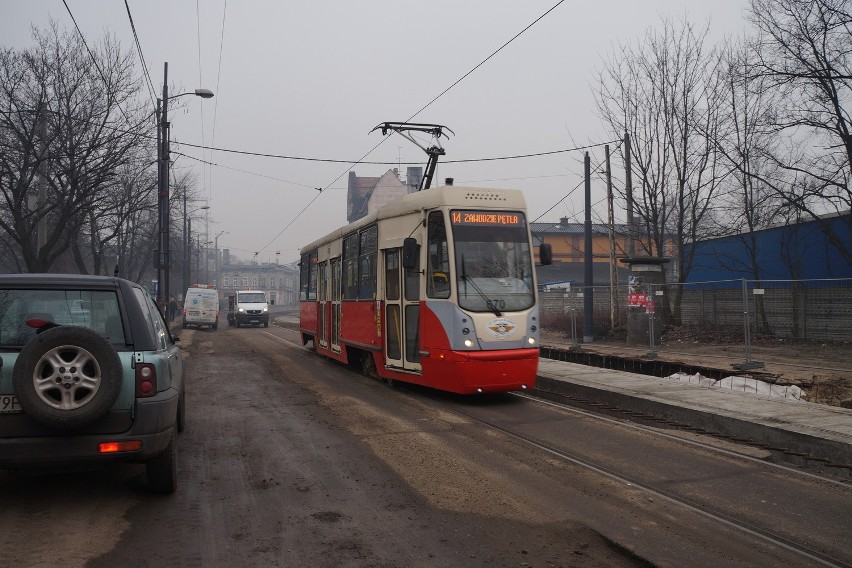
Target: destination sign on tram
{"type": "Point", "coordinates": [487, 218]}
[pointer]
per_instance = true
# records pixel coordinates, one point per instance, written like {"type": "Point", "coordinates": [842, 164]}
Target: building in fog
{"type": "Point", "coordinates": [279, 281]}
{"type": "Point", "coordinates": [367, 195]}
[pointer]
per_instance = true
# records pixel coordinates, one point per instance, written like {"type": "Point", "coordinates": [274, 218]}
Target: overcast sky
{"type": "Point", "coordinates": [312, 78]}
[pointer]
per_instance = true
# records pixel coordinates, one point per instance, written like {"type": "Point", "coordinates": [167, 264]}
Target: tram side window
{"type": "Point", "coordinates": [350, 267]}
{"type": "Point", "coordinates": [438, 283]}
{"type": "Point", "coordinates": [304, 276]}
{"type": "Point", "coordinates": [312, 277]}
{"type": "Point", "coordinates": [367, 269]}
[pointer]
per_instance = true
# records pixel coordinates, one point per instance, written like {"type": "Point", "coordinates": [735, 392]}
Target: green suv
{"type": "Point", "coordinates": [89, 373]}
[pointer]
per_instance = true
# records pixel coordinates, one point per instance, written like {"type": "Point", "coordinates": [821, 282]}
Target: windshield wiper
{"type": "Point", "coordinates": [489, 303]}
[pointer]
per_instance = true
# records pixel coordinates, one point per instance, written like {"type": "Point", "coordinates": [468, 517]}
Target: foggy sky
{"type": "Point", "coordinates": [311, 79]}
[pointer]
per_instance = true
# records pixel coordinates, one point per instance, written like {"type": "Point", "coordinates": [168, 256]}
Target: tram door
{"type": "Point", "coordinates": [335, 293]}
{"type": "Point", "coordinates": [322, 296]}
{"type": "Point", "coordinates": [402, 312]}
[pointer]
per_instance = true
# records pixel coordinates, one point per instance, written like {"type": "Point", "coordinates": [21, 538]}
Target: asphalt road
{"type": "Point", "coordinates": [292, 460]}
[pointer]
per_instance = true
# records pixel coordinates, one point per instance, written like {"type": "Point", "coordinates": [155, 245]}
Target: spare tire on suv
{"type": "Point", "coordinates": [67, 377]}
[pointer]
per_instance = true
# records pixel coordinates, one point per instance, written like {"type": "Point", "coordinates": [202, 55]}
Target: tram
{"type": "Point", "coordinates": [436, 288]}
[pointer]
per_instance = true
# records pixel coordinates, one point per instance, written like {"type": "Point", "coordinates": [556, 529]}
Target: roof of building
{"type": "Point", "coordinates": [565, 227]}
{"type": "Point", "coordinates": [575, 273]}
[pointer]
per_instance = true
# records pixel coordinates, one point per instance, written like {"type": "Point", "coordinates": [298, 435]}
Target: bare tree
{"type": "Point", "coordinates": [746, 139]}
{"type": "Point", "coordinates": [67, 128]}
{"type": "Point", "coordinates": [661, 93]}
{"type": "Point", "coordinates": [805, 53]}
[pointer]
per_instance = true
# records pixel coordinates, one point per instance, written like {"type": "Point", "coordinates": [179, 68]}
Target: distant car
{"type": "Point", "coordinates": [89, 373]}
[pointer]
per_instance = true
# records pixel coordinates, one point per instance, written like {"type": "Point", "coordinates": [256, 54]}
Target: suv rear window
{"type": "Point", "coordinates": [96, 310]}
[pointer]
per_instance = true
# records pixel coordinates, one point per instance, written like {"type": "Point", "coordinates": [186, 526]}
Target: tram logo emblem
{"type": "Point", "coordinates": [501, 327]}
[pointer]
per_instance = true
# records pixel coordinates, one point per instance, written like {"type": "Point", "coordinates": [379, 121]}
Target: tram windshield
{"type": "Point", "coordinates": [493, 261]}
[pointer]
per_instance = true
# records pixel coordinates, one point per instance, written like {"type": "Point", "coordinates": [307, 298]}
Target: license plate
{"type": "Point", "coordinates": [9, 404]}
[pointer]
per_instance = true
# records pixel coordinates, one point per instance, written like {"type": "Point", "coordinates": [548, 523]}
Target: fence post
{"type": "Point", "coordinates": [748, 364]}
{"type": "Point", "coordinates": [575, 344]}
{"type": "Point", "coordinates": [650, 309]}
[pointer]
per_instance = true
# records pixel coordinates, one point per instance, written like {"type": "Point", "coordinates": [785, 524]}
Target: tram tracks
{"type": "Point", "coordinates": [655, 490]}
{"type": "Point", "coordinates": [807, 540]}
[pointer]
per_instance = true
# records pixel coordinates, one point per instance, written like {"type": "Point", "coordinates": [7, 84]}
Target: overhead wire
{"type": "Point", "coordinates": [385, 163]}
{"type": "Point", "coordinates": [145, 74]}
{"type": "Point", "coordinates": [481, 63]}
{"type": "Point", "coordinates": [204, 175]}
{"type": "Point", "coordinates": [175, 143]}
{"type": "Point", "coordinates": [218, 92]}
{"type": "Point", "coordinates": [582, 181]}
{"type": "Point", "coordinates": [94, 60]}
{"type": "Point", "coordinates": [427, 105]}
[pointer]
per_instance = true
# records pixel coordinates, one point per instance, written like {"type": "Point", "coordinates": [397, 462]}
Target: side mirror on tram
{"type": "Point", "coordinates": [410, 253]}
{"type": "Point", "coordinates": [545, 254]}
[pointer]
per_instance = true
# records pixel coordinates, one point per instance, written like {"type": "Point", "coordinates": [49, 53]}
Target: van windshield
{"type": "Point", "coordinates": [252, 297]}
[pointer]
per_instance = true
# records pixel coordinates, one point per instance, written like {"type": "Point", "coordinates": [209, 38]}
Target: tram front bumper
{"type": "Point", "coordinates": [468, 372]}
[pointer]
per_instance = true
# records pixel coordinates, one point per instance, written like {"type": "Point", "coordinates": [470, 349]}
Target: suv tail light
{"type": "Point", "coordinates": [146, 380]}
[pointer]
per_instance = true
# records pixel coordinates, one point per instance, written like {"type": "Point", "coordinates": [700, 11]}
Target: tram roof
{"type": "Point", "coordinates": [445, 195]}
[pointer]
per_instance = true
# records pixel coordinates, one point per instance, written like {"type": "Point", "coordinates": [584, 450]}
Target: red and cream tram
{"type": "Point", "coordinates": [436, 288]}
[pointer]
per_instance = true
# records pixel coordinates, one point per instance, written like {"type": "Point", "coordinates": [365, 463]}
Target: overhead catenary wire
{"type": "Point", "coordinates": [92, 56]}
{"type": "Point", "coordinates": [218, 91]}
{"type": "Point", "coordinates": [424, 107]}
{"type": "Point", "coordinates": [145, 74]}
{"type": "Point", "coordinates": [385, 163]}
{"type": "Point", "coordinates": [204, 176]}
{"type": "Point", "coordinates": [134, 130]}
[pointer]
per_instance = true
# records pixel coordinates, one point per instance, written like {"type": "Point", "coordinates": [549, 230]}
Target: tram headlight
{"type": "Point", "coordinates": [531, 340]}
{"type": "Point", "coordinates": [468, 343]}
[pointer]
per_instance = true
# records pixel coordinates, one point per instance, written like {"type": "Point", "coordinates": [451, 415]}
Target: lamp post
{"type": "Point", "coordinates": [216, 262]}
{"type": "Point", "coordinates": [187, 232]}
{"type": "Point", "coordinates": [163, 257]}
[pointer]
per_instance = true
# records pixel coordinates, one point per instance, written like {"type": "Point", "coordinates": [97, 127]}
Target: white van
{"type": "Point", "coordinates": [201, 307]}
{"type": "Point", "coordinates": [248, 307]}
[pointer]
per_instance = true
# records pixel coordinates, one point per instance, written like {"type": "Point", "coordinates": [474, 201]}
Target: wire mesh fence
{"type": "Point", "coordinates": [793, 310]}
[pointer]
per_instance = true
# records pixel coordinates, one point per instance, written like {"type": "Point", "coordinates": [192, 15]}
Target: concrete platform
{"type": "Point", "coordinates": [802, 431]}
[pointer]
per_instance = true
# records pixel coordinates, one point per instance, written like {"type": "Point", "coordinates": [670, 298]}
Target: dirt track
{"type": "Point", "coordinates": [823, 371]}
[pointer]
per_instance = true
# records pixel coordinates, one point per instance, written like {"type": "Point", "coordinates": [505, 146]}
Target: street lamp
{"type": "Point", "coordinates": [163, 257]}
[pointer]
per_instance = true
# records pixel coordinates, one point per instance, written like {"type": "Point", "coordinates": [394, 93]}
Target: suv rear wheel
{"type": "Point", "coordinates": [67, 377]}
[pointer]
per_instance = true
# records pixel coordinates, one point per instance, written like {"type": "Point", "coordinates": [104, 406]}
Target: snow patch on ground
{"type": "Point", "coordinates": [743, 384]}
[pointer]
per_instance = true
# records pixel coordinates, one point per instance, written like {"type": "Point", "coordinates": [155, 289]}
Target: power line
{"type": "Point", "coordinates": [371, 163]}
{"type": "Point", "coordinates": [597, 170]}
{"type": "Point", "coordinates": [95, 61]}
{"type": "Point", "coordinates": [150, 84]}
{"type": "Point", "coordinates": [481, 63]}
{"type": "Point", "coordinates": [210, 163]}
{"type": "Point", "coordinates": [322, 160]}
{"type": "Point", "coordinates": [200, 82]}
{"type": "Point", "coordinates": [218, 93]}
{"type": "Point", "coordinates": [427, 105]}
